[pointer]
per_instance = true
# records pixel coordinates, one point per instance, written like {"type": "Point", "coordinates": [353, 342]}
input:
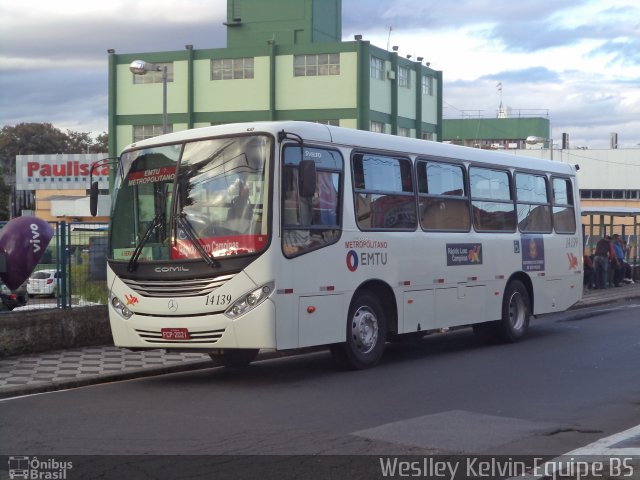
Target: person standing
{"type": "Point", "coordinates": [601, 261]}
{"type": "Point", "coordinates": [589, 280]}
{"type": "Point", "coordinates": [619, 264]}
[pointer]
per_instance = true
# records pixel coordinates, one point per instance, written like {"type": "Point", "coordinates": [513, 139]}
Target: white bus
{"type": "Point", "coordinates": [282, 235]}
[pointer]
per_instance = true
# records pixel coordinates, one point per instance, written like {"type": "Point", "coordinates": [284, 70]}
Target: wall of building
{"type": "Point", "coordinates": [599, 169]}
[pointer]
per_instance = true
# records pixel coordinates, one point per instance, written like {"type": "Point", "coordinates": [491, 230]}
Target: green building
{"type": "Point", "coordinates": [508, 132]}
{"type": "Point", "coordinates": [285, 60]}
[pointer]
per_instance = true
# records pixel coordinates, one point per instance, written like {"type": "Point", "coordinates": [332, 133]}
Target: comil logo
{"type": "Point", "coordinates": [178, 268]}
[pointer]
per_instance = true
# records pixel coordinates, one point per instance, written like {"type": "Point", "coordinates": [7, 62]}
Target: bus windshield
{"type": "Point", "coordinates": [198, 200]}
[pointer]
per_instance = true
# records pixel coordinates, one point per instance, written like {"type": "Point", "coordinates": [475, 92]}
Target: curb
{"type": "Point", "coordinates": [46, 387]}
{"type": "Point", "coordinates": [596, 302]}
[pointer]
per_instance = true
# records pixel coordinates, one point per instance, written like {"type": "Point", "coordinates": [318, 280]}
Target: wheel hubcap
{"type": "Point", "coordinates": [364, 329]}
{"type": "Point", "coordinates": [517, 311]}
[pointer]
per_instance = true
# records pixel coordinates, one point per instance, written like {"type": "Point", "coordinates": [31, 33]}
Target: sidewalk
{"type": "Point", "coordinates": [62, 369]}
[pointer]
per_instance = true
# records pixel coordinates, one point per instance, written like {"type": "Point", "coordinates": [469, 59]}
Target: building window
{"type": "Point", "coordinates": [427, 86]}
{"type": "Point", "coordinates": [377, 68]}
{"type": "Point", "coordinates": [429, 136]}
{"type": "Point", "coordinates": [404, 132]}
{"type": "Point", "coordinates": [333, 123]}
{"type": "Point", "coordinates": [404, 77]}
{"type": "Point", "coordinates": [316, 65]}
{"type": "Point", "coordinates": [154, 76]}
{"type": "Point", "coordinates": [140, 132]}
{"type": "Point", "coordinates": [232, 68]}
{"type": "Point", "coordinates": [377, 127]}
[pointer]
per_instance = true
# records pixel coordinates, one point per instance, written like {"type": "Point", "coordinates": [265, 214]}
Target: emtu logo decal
{"type": "Point", "coordinates": [352, 260]}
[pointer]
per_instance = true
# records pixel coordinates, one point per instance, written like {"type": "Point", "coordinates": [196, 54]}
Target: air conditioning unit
{"type": "Point", "coordinates": [391, 75]}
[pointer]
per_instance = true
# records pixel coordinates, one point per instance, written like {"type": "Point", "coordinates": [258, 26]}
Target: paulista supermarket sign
{"type": "Point", "coordinates": [60, 172]}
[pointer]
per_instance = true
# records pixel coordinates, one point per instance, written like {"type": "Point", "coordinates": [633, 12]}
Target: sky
{"type": "Point", "coordinates": [577, 61]}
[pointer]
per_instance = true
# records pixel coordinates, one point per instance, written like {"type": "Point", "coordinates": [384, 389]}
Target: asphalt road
{"type": "Point", "coordinates": [575, 379]}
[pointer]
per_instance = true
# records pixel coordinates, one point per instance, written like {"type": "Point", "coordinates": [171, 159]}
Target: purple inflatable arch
{"type": "Point", "coordinates": [23, 241]}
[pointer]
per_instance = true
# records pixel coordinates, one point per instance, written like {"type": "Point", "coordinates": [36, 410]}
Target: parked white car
{"type": "Point", "coordinates": [43, 282]}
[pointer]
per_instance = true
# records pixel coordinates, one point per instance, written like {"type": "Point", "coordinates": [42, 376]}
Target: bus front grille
{"type": "Point", "coordinates": [177, 288]}
{"type": "Point", "coordinates": [209, 336]}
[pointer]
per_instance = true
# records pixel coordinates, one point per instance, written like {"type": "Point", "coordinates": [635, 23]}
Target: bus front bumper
{"type": "Point", "coordinates": [210, 331]}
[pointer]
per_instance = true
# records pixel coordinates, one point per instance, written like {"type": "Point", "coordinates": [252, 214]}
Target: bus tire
{"type": "Point", "coordinates": [366, 334]}
{"type": "Point", "coordinates": [235, 358]}
{"type": "Point", "coordinates": [516, 313]}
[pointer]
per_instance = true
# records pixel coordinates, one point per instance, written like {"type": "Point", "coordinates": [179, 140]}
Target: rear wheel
{"type": "Point", "coordinates": [236, 358]}
{"type": "Point", "coordinates": [366, 334]}
{"type": "Point", "coordinates": [516, 313]}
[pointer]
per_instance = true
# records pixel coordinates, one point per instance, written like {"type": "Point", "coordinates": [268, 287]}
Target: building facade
{"type": "Point", "coordinates": [507, 133]}
{"type": "Point", "coordinates": [284, 60]}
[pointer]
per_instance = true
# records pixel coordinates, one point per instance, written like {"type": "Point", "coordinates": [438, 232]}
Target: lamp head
{"type": "Point", "coordinates": [138, 67]}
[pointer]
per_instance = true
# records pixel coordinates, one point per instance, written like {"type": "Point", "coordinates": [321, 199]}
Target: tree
{"type": "Point", "coordinates": [5, 198]}
{"type": "Point", "coordinates": [29, 139]}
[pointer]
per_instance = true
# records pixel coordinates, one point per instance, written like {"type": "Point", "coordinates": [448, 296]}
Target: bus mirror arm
{"type": "Point", "coordinates": [93, 186]}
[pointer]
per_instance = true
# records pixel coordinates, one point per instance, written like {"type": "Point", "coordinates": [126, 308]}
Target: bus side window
{"type": "Point", "coordinates": [310, 222]}
{"type": "Point", "coordinates": [564, 220]}
{"type": "Point", "coordinates": [534, 213]}
{"type": "Point", "coordinates": [383, 192]}
{"type": "Point", "coordinates": [442, 197]}
{"type": "Point", "coordinates": [493, 207]}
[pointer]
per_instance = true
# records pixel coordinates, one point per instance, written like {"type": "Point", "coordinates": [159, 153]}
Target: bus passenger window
{"type": "Point", "coordinates": [443, 199]}
{"type": "Point", "coordinates": [534, 213]}
{"type": "Point", "coordinates": [383, 192]}
{"type": "Point", "coordinates": [564, 219]}
{"type": "Point", "coordinates": [493, 207]}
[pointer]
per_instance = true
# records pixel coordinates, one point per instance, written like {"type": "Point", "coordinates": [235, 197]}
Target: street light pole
{"type": "Point", "coordinates": [165, 123]}
{"type": "Point", "coordinates": [140, 67]}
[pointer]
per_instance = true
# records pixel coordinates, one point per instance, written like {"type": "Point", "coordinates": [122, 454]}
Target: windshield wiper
{"type": "Point", "coordinates": [158, 220]}
{"type": "Point", "coordinates": [184, 224]}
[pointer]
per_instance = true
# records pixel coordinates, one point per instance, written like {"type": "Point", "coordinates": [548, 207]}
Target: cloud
{"type": "Point", "coordinates": [68, 99]}
{"type": "Point", "coordinates": [621, 52]}
{"type": "Point", "coordinates": [30, 41]}
{"type": "Point", "coordinates": [527, 75]}
{"type": "Point", "coordinates": [577, 61]}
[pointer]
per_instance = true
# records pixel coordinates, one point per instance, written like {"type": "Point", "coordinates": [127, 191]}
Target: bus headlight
{"type": "Point", "coordinates": [250, 301]}
{"type": "Point", "coordinates": [120, 307]}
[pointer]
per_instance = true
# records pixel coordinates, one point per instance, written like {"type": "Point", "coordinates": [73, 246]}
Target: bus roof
{"type": "Point", "coordinates": [317, 132]}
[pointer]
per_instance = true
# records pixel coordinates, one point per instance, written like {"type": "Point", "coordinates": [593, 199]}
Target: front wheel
{"type": "Point", "coordinates": [366, 334]}
{"type": "Point", "coordinates": [235, 358]}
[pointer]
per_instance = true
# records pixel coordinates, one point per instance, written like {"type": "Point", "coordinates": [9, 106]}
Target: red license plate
{"type": "Point", "coordinates": [175, 333]}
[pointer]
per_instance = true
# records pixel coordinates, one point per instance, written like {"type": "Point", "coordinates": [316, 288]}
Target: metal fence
{"type": "Point", "coordinates": [71, 272]}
